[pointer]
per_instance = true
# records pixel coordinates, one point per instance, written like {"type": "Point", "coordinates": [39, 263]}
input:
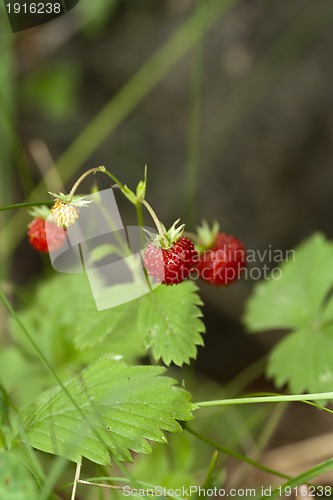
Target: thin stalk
{"type": "Point", "coordinates": [320, 396]}
{"type": "Point", "coordinates": [234, 454]}
{"type": "Point", "coordinates": [210, 472]}
{"type": "Point", "coordinates": [26, 204]}
{"type": "Point", "coordinates": [76, 478]}
{"type": "Point", "coordinates": [157, 222]}
{"type": "Point", "coordinates": [82, 177]}
{"type": "Point", "coordinates": [113, 177]}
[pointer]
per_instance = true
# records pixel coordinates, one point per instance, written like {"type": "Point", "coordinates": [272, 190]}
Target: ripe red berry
{"type": "Point", "coordinates": [172, 265]}
{"type": "Point", "coordinates": [44, 235]}
{"type": "Point", "coordinates": [224, 262]}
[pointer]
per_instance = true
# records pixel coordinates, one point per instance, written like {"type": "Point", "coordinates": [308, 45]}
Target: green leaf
{"type": "Point", "coordinates": [124, 405]}
{"type": "Point", "coordinates": [93, 326]}
{"type": "Point", "coordinates": [298, 301]}
{"type": "Point", "coordinates": [56, 305]}
{"type": "Point", "coordinates": [304, 359]}
{"type": "Point", "coordinates": [16, 483]}
{"type": "Point", "coordinates": [294, 300]}
{"type": "Point", "coordinates": [64, 321]}
{"type": "Point", "coordinates": [169, 318]}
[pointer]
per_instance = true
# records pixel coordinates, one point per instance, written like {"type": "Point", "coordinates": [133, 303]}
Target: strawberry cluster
{"type": "Point", "coordinates": [219, 259]}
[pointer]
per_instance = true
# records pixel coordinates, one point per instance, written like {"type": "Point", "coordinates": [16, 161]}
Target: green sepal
{"type": "Point", "coordinates": [207, 235]}
{"type": "Point", "coordinates": [142, 186]}
{"type": "Point", "coordinates": [43, 212]}
{"type": "Point", "coordinates": [171, 235]}
{"type": "Point", "coordinates": [141, 190]}
{"type": "Point", "coordinates": [76, 201]}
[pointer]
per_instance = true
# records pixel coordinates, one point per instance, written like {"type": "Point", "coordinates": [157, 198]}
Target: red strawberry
{"type": "Point", "coordinates": [224, 261]}
{"type": "Point", "coordinates": [44, 235]}
{"type": "Point", "coordinates": [173, 264]}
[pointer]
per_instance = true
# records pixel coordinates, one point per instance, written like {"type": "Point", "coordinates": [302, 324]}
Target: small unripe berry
{"type": "Point", "coordinates": [64, 214]}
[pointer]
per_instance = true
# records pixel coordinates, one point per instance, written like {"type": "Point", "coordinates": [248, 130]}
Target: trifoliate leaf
{"type": "Point", "coordinates": [298, 302]}
{"type": "Point", "coordinates": [120, 407]}
{"type": "Point", "coordinates": [169, 318]}
{"type": "Point", "coordinates": [295, 299]}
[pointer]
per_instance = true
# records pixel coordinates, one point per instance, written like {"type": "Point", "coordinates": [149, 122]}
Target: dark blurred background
{"type": "Point", "coordinates": [231, 111]}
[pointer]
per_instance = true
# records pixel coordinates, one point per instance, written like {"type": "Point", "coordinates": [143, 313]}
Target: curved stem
{"type": "Point", "coordinates": [157, 222]}
{"type": "Point", "coordinates": [82, 177]}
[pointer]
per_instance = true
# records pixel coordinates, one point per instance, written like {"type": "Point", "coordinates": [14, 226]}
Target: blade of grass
{"type": "Point", "coordinates": [303, 478]}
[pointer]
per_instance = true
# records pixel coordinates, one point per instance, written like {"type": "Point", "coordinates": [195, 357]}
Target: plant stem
{"type": "Point", "coordinates": [82, 177]}
{"type": "Point", "coordinates": [234, 454]}
{"type": "Point", "coordinates": [158, 225]}
{"type": "Point", "coordinates": [139, 214]}
{"type": "Point", "coordinates": [320, 396]}
{"type": "Point", "coordinates": [76, 478]}
{"type": "Point", "coordinates": [25, 205]}
{"type": "Point", "coordinates": [113, 177]}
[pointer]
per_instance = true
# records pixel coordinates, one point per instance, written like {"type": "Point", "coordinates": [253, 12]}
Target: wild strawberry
{"type": "Point", "coordinates": [171, 259]}
{"type": "Point", "coordinates": [223, 257]}
{"type": "Point", "coordinates": [65, 210]}
{"type": "Point", "coordinates": [44, 235]}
